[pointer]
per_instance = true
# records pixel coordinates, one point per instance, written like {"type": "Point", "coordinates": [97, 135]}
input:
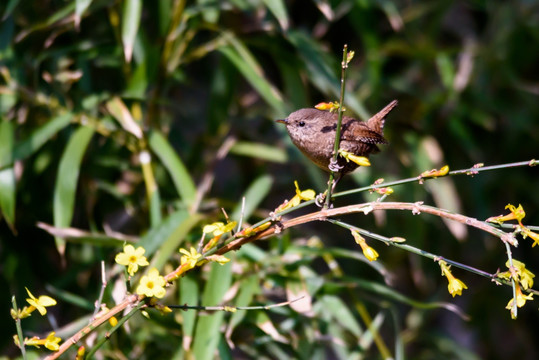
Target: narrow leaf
{"type": "Point", "coordinates": [188, 288]}
{"type": "Point", "coordinates": [130, 23]}
{"type": "Point", "coordinates": [120, 112]}
{"type": "Point", "coordinates": [39, 137]}
{"type": "Point", "coordinates": [260, 151]}
{"type": "Point", "coordinates": [180, 176]}
{"type": "Point", "coordinates": [67, 178]}
{"type": "Point", "coordinates": [247, 65]}
{"type": "Point", "coordinates": [7, 174]}
{"type": "Point", "coordinates": [278, 9]}
{"type": "Point", "coordinates": [208, 329]}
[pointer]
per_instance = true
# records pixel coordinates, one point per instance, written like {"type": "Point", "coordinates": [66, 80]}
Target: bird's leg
{"type": "Point", "coordinates": [320, 198]}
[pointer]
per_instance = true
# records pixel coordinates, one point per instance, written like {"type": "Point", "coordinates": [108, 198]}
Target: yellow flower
{"type": "Point", "coordinates": [132, 258]}
{"type": "Point", "coordinates": [189, 259]}
{"type": "Point", "coordinates": [455, 285]}
{"type": "Point", "coordinates": [40, 303]}
{"type": "Point", "coordinates": [51, 342]}
{"type": "Point", "coordinates": [368, 251]}
{"type": "Point", "coordinates": [219, 228]}
{"type": "Point", "coordinates": [152, 284]}
{"type": "Point", "coordinates": [521, 299]}
{"type": "Point", "coordinates": [527, 232]}
{"type": "Point", "coordinates": [305, 195]}
{"type": "Point", "coordinates": [360, 160]}
{"type": "Point", "coordinates": [516, 214]}
{"type": "Point", "coordinates": [521, 274]}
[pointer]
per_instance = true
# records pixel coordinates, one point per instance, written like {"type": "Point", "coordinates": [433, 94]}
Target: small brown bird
{"type": "Point", "coordinates": [313, 132]}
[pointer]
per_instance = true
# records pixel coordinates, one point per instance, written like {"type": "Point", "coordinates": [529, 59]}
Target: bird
{"type": "Point", "coordinates": [313, 132]}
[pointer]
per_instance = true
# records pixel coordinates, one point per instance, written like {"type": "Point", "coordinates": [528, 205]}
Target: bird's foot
{"type": "Point", "coordinates": [334, 166]}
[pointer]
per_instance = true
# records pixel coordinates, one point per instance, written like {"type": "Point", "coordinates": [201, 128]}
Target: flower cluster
{"type": "Point", "coordinates": [40, 304]}
{"type": "Point", "coordinates": [523, 278]}
{"type": "Point", "coordinates": [217, 229]}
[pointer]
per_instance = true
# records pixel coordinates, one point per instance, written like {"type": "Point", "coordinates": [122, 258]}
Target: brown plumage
{"type": "Point", "coordinates": [313, 132]}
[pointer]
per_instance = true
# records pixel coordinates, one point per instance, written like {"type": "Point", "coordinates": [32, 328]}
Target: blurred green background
{"type": "Point", "coordinates": [205, 81]}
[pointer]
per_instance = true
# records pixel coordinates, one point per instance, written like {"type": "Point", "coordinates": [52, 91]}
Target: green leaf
{"type": "Point", "coordinates": [208, 329]}
{"type": "Point", "coordinates": [39, 137]}
{"type": "Point", "coordinates": [260, 151]}
{"type": "Point", "coordinates": [120, 112]}
{"type": "Point", "coordinates": [9, 8]}
{"type": "Point", "coordinates": [247, 65]}
{"type": "Point", "coordinates": [278, 9]}
{"type": "Point", "coordinates": [168, 235]}
{"type": "Point", "coordinates": [84, 237]}
{"type": "Point", "coordinates": [130, 23]}
{"type": "Point", "coordinates": [7, 174]}
{"type": "Point", "coordinates": [67, 178]}
{"type": "Point", "coordinates": [188, 288]}
{"type": "Point", "coordinates": [254, 195]}
{"type": "Point", "coordinates": [180, 176]}
{"type": "Point", "coordinates": [248, 288]}
{"type": "Point", "coordinates": [341, 314]}
{"type": "Point", "coordinates": [172, 243]}
{"type": "Point", "coordinates": [80, 8]}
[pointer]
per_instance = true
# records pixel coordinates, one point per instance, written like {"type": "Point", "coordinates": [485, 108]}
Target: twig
{"type": "Point", "coordinates": [103, 286]}
{"type": "Point", "coordinates": [234, 308]}
{"type": "Point", "coordinates": [344, 66]}
{"type": "Point", "coordinates": [19, 328]}
{"type": "Point", "coordinates": [128, 301]}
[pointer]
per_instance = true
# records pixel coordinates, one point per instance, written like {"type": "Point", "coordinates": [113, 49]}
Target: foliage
{"type": "Point", "coordinates": [136, 122]}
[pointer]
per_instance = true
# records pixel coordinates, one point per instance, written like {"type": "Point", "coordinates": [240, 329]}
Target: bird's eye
{"type": "Point", "coordinates": [301, 123]}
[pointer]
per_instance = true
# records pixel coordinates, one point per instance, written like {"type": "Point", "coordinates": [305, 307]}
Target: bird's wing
{"type": "Point", "coordinates": [355, 130]}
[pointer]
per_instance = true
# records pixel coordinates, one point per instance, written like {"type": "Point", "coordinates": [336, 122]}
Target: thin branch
{"type": "Point", "coordinates": [234, 308]}
{"type": "Point", "coordinates": [344, 66]}
{"type": "Point", "coordinates": [130, 300]}
{"type": "Point", "coordinates": [102, 292]}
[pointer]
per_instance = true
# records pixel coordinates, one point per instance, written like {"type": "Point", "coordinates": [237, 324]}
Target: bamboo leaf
{"type": "Point", "coordinates": [67, 178]}
{"type": "Point", "coordinates": [208, 329]}
{"type": "Point", "coordinates": [259, 151]}
{"type": "Point", "coordinates": [39, 137]}
{"type": "Point", "coordinates": [278, 9]}
{"type": "Point", "coordinates": [247, 65]}
{"type": "Point", "coordinates": [7, 174]}
{"type": "Point", "coordinates": [120, 112]}
{"type": "Point", "coordinates": [132, 11]}
{"type": "Point", "coordinates": [189, 291]}
{"type": "Point", "coordinates": [80, 8]}
{"type": "Point", "coordinates": [180, 176]}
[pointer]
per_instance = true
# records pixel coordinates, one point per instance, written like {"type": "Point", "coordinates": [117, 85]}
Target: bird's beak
{"type": "Point", "coordinates": [282, 121]}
